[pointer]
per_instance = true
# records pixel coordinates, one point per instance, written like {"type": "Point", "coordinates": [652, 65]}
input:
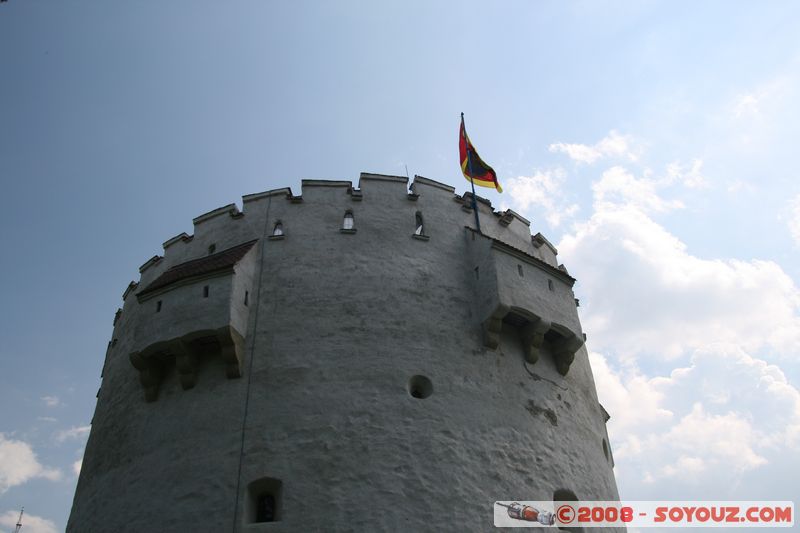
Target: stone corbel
{"type": "Point", "coordinates": [533, 338]}
{"type": "Point", "coordinates": [564, 352]}
{"type": "Point", "coordinates": [492, 327]}
{"type": "Point", "coordinates": [151, 371]}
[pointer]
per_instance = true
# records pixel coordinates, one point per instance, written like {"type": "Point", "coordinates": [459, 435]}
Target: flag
{"type": "Point", "coordinates": [473, 167]}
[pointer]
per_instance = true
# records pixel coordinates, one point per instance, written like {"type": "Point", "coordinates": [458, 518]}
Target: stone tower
{"type": "Point", "coordinates": [349, 359]}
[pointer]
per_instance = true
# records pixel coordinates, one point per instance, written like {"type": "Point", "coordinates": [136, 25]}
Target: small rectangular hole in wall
{"type": "Point", "coordinates": [205, 291]}
{"type": "Point", "coordinates": [519, 270]}
{"type": "Point", "coordinates": [264, 501]}
{"type": "Point", "coordinates": [550, 284]}
{"type": "Point", "coordinates": [158, 306]}
{"type": "Point", "coordinates": [246, 297]}
{"type": "Point", "coordinates": [477, 273]}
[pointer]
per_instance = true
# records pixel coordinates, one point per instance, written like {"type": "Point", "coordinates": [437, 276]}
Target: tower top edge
{"type": "Point", "coordinates": [230, 209]}
{"type": "Point", "coordinates": [422, 180]}
{"type": "Point", "coordinates": [382, 177]}
{"type": "Point", "coordinates": [326, 183]}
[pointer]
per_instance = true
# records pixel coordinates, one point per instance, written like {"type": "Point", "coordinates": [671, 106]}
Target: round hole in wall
{"type": "Point", "coordinates": [420, 387]}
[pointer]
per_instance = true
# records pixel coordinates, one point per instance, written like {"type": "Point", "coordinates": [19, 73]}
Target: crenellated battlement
{"type": "Point", "coordinates": [214, 225]}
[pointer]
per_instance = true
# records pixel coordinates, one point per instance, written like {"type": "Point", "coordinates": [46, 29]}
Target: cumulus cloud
{"type": "Point", "coordinates": [619, 187]}
{"type": "Point", "coordinates": [18, 464]}
{"type": "Point", "coordinates": [76, 466]}
{"type": "Point", "coordinates": [620, 390]}
{"type": "Point", "coordinates": [543, 190]}
{"type": "Point", "coordinates": [51, 401]}
{"type": "Point", "coordinates": [613, 145]}
{"type": "Point", "coordinates": [642, 292]}
{"type": "Point", "coordinates": [725, 417]}
{"type": "Point", "coordinates": [684, 344]}
{"type": "Point", "coordinates": [75, 432]}
{"type": "Point", "coordinates": [30, 523]}
{"type": "Point", "coordinates": [716, 421]}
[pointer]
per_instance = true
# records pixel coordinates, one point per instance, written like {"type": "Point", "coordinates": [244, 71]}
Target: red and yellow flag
{"type": "Point", "coordinates": [473, 167]}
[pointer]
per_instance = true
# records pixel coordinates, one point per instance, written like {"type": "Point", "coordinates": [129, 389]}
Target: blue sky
{"type": "Point", "coordinates": [653, 142]}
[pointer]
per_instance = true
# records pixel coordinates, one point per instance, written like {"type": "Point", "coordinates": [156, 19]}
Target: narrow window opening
{"type": "Point", "coordinates": [212, 248]}
{"type": "Point", "coordinates": [246, 297]}
{"type": "Point", "coordinates": [519, 270]}
{"type": "Point", "coordinates": [550, 284]}
{"type": "Point", "coordinates": [205, 291]}
{"type": "Point", "coordinates": [564, 495]}
{"type": "Point", "coordinates": [420, 227]}
{"type": "Point", "coordinates": [277, 231]}
{"type": "Point", "coordinates": [605, 449]}
{"type": "Point", "coordinates": [348, 222]}
{"type": "Point", "coordinates": [158, 306]}
{"type": "Point", "coordinates": [264, 501]}
{"type": "Point", "coordinates": [477, 273]}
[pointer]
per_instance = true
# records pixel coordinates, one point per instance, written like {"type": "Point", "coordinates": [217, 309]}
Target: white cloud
{"type": "Point", "coordinates": [684, 344]}
{"type": "Point", "coordinates": [642, 292]}
{"type": "Point", "coordinates": [46, 419]}
{"type": "Point", "coordinates": [18, 464]}
{"type": "Point", "coordinates": [75, 432]}
{"type": "Point", "coordinates": [51, 401]}
{"type": "Point", "coordinates": [728, 439]}
{"type": "Point", "coordinates": [30, 523]}
{"type": "Point", "coordinates": [613, 145]}
{"type": "Point", "coordinates": [726, 423]}
{"type": "Point", "coordinates": [713, 423]}
{"type": "Point", "coordinates": [684, 465]}
{"type": "Point", "coordinates": [618, 186]}
{"type": "Point", "coordinates": [543, 190]}
{"type": "Point", "coordinates": [690, 177]}
{"type": "Point", "coordinates": [76, 466]}
{"type": "Point", "coordinates": [621, 390]}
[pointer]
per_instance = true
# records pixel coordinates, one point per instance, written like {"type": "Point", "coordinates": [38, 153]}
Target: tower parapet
{"type": "Point", "coordinates": [188, 328]}
{"type": "Point", "coordinates": [344, 344]}
{"type": "Point", "coordinates": [515, 287]}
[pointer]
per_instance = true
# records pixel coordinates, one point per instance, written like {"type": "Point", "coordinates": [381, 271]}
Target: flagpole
{"type": "Point", "coordinates": [471, 177]}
